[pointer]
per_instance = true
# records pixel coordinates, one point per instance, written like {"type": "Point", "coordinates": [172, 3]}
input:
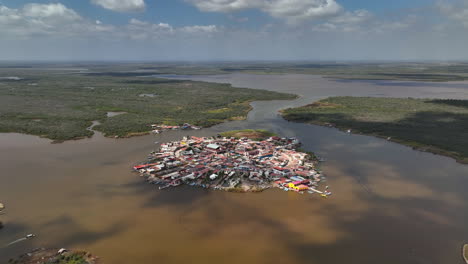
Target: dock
{"type": "Point", "coordinates": [465, 253]}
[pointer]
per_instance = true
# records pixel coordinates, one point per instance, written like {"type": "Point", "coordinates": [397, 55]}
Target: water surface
{"type": "Point", "coordinates": [391, 204]}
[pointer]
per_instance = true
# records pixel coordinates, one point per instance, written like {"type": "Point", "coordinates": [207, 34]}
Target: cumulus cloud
{"type": "Point", "coordinates": [49, 11]}
{"type": "Point", "coordinates": [37, 19]}
{"type": "Point", "coordinates": [293, 11]}
{"type": "Point", "coordinates": [58, 21]}
{"type": "Point", "coordinates": [122, 5]}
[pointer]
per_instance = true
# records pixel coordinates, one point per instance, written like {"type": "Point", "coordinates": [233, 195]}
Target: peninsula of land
{"type": "Point", "coordinates": [433, 125]}
{"type": "Point", "coordinates": [231, 163]}
{"type": "Point", "coordinates": [62, 105]}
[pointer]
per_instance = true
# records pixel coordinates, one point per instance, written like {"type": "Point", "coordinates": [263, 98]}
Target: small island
{"type": "Point", "coordinates": [433, 125]}
{"type": "Point", "coordinates": [55, 256]}
{"type": "Point", "coordinates": [239, 161]}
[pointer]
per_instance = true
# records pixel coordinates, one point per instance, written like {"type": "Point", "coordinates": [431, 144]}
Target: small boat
{"type": "Point", "coordinates": [465, 253]}
{"type": "Point", "coordinates": [30, 236]}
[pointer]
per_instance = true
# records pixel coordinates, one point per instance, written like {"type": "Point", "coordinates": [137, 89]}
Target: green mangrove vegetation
{"type": "Point", "coordinates": [61, 104]}
{"type": "Point", "coordinates": [434, 125]}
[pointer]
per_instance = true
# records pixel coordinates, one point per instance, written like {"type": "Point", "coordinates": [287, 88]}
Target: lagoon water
{"type": "Point", "coordinates": [390, 204]}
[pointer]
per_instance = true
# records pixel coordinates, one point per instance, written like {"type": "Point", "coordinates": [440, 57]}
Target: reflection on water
{"type": "Point", "coordinates": [390, 204]}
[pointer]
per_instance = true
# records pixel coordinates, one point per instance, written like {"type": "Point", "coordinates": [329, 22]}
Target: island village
{"type": "Point", "coordinates": [233, 164]}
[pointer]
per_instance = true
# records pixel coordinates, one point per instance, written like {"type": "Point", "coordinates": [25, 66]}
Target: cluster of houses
{"type": "Point", "coordinates": [233, 164]}
{"type": "Point", "coordinates": [157, 129]}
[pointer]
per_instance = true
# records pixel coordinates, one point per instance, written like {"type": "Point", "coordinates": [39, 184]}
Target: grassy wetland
{"type": "Point", "coordinates": [61, 104]}
{"type": "Point", "coordinates": [433, 125]}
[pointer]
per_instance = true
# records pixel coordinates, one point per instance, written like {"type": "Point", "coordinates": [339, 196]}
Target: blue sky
{"type": "Point", "coordinates": [234, 29]}
{"type": "Point", "coordinates": [179, 12]}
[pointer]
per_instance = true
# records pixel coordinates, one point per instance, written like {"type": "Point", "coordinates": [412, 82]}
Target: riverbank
{"type": "Point", "coordinates": [432, 125]}
{"type": "Point", "coordinates": [56, 256]}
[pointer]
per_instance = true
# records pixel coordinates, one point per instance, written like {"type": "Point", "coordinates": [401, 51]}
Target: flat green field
{"type": "Point", "coordinates": [434, 125]}
{"type": "Point", "coordinates": [60, 105]}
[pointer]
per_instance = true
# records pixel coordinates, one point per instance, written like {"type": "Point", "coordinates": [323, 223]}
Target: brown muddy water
{"type": "Point", "coordinates": [391, 204]}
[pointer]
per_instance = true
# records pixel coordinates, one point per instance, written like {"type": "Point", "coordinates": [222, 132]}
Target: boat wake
{"type": "Point", "coordinates": [30, 236]}
{"type": "Point", "coordinates": [16, 241]}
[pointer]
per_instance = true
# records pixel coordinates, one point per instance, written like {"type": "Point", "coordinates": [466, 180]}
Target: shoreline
{"type": "Point", "coordinates": [52, 255]}
{"type": "Point", "coordinates": [430, 125]}
{"type": "Point", "coordinates": [417, 147]}
{"type": "Point", "coordinates": [143, 133]}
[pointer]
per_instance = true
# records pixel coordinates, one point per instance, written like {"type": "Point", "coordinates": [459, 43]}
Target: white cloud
{"type": "Point", "coordinates": [293, 11]}
{"type": "Point", "coordinates": [457, 12]}
{"type": "Point", "coordinates": [225, 5]}
{"type": "Point", "coordinates": [122, 5]}
{"type": "Point", "coordinates": [200, 29]}
{"type": "Point", "coordinates": [364, 22]}
{"type": "Point", "coordinates": [299, 10]}
{"type": "Point", "coordinates": [51, 31]}
{"type": "Point", "coordinates": [37, 19]}
{"type": "Point", "coordinates": [346, 22]}
{"type": "Point", "coordinates": [355, 17]}
{"type": "Point", "coordinates": [49, 11]}
{"type": "Point", "coordinates": [142, 30]}
{"type": "Point", "coordinates": [57, 21]}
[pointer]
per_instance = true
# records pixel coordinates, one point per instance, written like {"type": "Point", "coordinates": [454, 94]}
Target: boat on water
{"type": "Point", "coordinates": [465, 253]}
{"type": "Point", "coordinates": [29, 236]}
